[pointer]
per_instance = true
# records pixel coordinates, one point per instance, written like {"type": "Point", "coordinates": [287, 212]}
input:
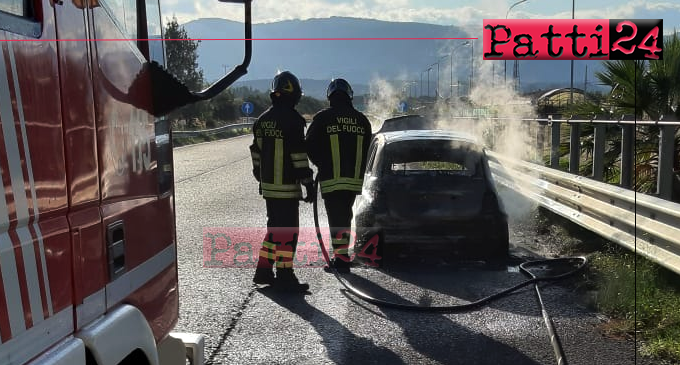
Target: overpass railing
{"type": "Point", "coordinates": [202, 132]}
{"type": "Point", "coordinates": [550, 132]}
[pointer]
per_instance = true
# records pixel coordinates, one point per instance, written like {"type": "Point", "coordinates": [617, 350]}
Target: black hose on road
{"type": "Point", "coordinates": [524, 268]}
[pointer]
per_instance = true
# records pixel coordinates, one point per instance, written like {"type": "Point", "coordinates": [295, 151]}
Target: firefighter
{"type": "Point", "coordinates": [280, 166]}
{"type": "Point", "coordinates": [337, 143]}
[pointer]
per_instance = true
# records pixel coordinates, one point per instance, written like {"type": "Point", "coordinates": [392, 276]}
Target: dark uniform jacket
{"type": "Point", "coordinates": [337, 142]}
{"type": "Point", "coordinates": [278, 153]}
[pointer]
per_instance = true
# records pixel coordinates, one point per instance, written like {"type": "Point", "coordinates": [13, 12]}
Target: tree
{"type": "Point", "coordinates": [182, 61]}
{"type": "Point", "coordinates": [649, 90]}
{"type": "Point", "coordinates": [223, 109]}
{"type": "Point", "coordinates": [310, 106]}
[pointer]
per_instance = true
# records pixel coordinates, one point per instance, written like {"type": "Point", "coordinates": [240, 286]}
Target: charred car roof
{"type": "Point", "coordinates": [406, 122]}
{"type": "Point", "coordinates": [410, 135]}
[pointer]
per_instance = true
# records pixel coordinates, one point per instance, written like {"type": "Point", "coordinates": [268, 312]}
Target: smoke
{"type": "Point", "coordinates": [479, 101]}
{"type": "Point", "coordinates": [483, 103]}
{"type": "Point", "coordinates": [382, 101]}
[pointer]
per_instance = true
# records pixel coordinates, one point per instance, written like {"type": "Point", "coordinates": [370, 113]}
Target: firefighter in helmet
{"type": "Point", "coordinates": [337, 143]}
{"type": "Point", "coordinates": [280, 166]}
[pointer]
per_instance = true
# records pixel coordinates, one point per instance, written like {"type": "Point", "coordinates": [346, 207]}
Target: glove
{"type": "Point", "coordinates": [310, 191]}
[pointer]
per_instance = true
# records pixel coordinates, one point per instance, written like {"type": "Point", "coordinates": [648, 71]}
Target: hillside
{"type": "Point", "coordinates": [360, 61]}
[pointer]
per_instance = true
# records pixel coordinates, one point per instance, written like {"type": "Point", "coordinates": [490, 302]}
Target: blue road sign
{"type": "Point", "coordinates": [247, 108]}
{"type": "Point", "coordinates": [403, 107]}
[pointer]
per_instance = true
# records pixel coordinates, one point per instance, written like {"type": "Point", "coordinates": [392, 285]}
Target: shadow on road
{"type": "Point", "coordinates": [442, 340]}
{"type": "Point", "coordinates": [342, 345]}
{"type": "Point", "coordinates": [433, 276]}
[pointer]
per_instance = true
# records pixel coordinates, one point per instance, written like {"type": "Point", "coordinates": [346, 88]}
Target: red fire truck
{"type": "Point", "coordinates": [88, 262]}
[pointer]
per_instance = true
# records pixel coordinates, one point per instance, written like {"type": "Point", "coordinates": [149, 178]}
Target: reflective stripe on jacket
{"type": "Point", "coordinates": [337, 142]}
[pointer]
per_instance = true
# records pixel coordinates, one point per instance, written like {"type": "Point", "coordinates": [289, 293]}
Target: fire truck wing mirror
{"type": "Point", "coordinates": [170, 94]}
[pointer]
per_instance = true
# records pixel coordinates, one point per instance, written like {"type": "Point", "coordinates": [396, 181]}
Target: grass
{"type": "Point", "coordinates": [207, 138]}
{"type": "Point", "coordinates": [643, 297]}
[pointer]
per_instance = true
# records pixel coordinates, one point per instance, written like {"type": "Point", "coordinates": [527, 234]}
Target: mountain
{"type": "Point", "coordinates": [310, 87]}
{"type": "Point", "coordinates": [361, 61]}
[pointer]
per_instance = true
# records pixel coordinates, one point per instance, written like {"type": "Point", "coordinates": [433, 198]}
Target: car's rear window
{"type": "Point", "coordinates": [433, 166]}
{"type": "Point", "coordinates": [448, 157]}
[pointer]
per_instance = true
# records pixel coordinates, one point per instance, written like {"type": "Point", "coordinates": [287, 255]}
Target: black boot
{"type": "Point", "coordinates": [287, 281]}
{"type": "Point", "coordinates": [264, 276]}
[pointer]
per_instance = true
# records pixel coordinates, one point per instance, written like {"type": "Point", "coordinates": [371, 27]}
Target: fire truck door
{"type": "Point", "coordinates": [82, 170]}
{"type": "Point", "coordinates": [138, 221]}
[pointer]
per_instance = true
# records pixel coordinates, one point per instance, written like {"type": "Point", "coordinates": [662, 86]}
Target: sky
{"type": "Point", "coordinates": [463, 13]}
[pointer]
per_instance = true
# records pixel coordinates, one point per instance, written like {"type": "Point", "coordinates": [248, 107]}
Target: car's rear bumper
{"type": "Point", "coordinates": [442, 230]}
{"type": "Point", "coordinates": [477, 237]}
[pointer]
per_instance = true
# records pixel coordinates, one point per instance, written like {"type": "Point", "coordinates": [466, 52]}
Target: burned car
{"type": "Point", "coordinates": [430, 189]}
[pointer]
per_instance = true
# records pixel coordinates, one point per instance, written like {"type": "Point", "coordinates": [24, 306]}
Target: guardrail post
{"type": "Point", "coordinates": [598, 152]}
{"type": "Point", "coordinates": [664, 182]}
{"type": "Point", "coordinates": [574, 147]}
{"type": "Point", "coordinates": [555, 145]}
{"type": "Point", "coordinates": [627, 155]}
{"type": "Point", "coordinates": [540, 142]}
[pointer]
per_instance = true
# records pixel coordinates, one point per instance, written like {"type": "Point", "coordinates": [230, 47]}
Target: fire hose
{"type": "Point", "coordinates": [524, 268]}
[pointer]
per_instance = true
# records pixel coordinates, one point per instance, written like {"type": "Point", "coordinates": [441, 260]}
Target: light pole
{"type": "Point", "coordinates": [571, 87]}
{"type": "Point", "coordinates": [421, 84]}
{"type": "Point", "coordinates": [505, 62]}
{"type": "Point", "coordinates": [437, 84]}
{"type": "Point", "coordinates": [472, 64]}
{"type": "Point", "coordinates": [428, 80]}
{"type": "Point", "coordinates": [437, 89]}
{"type": "Point", "coordinates": [466, 43]}
{"type": "Point", "coordinates": [410, 84]}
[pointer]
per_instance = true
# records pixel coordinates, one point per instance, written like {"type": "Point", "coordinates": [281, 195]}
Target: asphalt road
{"type": "Point", "coordinates": [246, 325]}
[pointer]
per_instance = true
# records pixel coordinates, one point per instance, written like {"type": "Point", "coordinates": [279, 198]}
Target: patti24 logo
{"type": "Point", "coordinates": [573, 39]}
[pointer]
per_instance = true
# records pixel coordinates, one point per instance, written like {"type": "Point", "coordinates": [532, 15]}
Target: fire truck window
{"type": "Point", "coordinates": [17, 16]}
{"type": "Point", "coordinates": [155, 30]}
{"type": "Point", "coordinates": [124, 13]}
{"type": "Point", "coordinates": [16, 7]}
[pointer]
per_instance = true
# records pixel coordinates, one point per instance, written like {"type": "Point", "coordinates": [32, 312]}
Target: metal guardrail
{"type": "Point", "coordinates": [226, 128]}
{"type": "Point", "coordinates": [645, 224]}
{"type": "Point", "coordinates": [628, 125]}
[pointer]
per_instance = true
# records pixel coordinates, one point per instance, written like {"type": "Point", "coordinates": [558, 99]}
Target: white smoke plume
{"type": "Point", "coordinates": [382, 102]}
